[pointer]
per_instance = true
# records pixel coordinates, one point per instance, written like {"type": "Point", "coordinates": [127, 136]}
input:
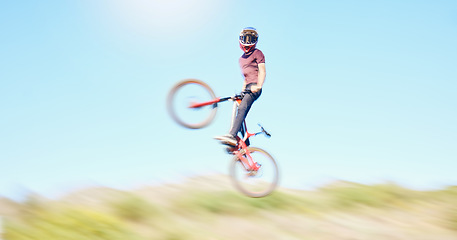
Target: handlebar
{"type": "Point", "coordinates": [236, 96]}
{"type": "Point", "coordinates": [241, 95]}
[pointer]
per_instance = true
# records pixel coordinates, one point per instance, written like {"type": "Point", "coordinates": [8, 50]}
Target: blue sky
{"type": "Point", "coordinates": [362, 91]}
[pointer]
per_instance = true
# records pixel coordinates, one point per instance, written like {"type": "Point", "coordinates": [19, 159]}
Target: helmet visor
{"type": "Point", "coordinates": [248, 38]}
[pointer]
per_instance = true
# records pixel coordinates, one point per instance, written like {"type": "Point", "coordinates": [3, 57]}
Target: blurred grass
{"type": "Point", "coordinates": [452, 218]}
{"type": "Point", "coordinates": [233, 203]}
{"type": "Point", "coordinates": [378, 196]}
{"type": "Point", "coordinates": [130, 216]}
{"type": "Point", "coordinates": [69, 224]}
{"type": "Point", "coordinates": [133, 208]}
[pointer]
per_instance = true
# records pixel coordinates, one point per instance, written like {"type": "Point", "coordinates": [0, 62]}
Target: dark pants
{"type": "Point", "coordinates": [243, 110]}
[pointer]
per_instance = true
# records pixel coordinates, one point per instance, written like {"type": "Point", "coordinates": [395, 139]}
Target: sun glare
{"type": "Point", "coordinates": [163, 16]}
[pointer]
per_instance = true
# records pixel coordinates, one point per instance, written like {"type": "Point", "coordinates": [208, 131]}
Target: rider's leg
{"type": "Point", "coordinates": [243, 110]}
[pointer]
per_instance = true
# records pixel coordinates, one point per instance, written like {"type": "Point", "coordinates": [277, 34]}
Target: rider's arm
{"type": "Point", "coordinates": [261, 77]}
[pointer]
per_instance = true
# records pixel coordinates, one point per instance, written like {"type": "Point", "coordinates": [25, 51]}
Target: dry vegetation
{"type": "Point", "coordinates": [209, 208]}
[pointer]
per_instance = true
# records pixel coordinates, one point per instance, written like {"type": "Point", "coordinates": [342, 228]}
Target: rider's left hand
{"type": "Point", "coordinates": [255, 88]}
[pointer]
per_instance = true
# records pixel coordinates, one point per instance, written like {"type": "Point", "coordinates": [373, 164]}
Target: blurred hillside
{"type": "Point", "coordinates": [209, 208]}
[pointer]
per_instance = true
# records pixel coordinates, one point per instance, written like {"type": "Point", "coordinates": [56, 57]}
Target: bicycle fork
{"type": "Point", "coordinates": [248, 163]}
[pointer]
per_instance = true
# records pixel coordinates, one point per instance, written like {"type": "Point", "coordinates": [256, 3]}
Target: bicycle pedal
{"type": "Point", "coordinates": [230, 150]}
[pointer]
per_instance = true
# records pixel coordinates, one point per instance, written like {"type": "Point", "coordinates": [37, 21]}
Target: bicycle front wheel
{"type": "Point", "coordinates": [258, 183]}
{"type": "Point", "coordinates": [185, 93]}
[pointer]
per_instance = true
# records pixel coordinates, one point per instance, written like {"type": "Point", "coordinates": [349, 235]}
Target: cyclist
{"type": "Point", "coordinates": [252, 64]}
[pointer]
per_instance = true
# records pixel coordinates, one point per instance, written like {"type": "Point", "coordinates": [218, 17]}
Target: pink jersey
{"type": "Point", "coordinates": [249, 64]}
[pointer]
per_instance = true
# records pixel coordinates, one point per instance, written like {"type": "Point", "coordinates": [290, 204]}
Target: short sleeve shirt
{"type": "Point", "coordinates": [249, 64]}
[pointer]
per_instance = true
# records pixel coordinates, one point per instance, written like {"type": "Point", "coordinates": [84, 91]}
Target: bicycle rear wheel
{"type": "Point", "coordinates": [255, 183]}
{"type": "Point", "coordinates": [185, 93]}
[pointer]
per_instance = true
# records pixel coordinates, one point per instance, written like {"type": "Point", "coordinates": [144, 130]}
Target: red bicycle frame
{"type": "Point", "coordinates": [241, 150]}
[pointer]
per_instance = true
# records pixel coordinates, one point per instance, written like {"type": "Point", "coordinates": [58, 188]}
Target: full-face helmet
{"type": "Point", "coordinates": [248, 39]}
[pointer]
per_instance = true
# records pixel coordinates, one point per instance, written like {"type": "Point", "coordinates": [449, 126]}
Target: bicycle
{"type": "Point", "coordinates": [193, 104]}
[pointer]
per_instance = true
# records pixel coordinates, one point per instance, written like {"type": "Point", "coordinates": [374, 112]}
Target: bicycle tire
{"type": "Point", "coordinates": [207, 115]}
{"type": "Point", "coordinates": [269, 187]}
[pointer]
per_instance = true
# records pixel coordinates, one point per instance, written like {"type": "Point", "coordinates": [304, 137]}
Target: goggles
{"type": "Point", "coordinates": [248, 38]}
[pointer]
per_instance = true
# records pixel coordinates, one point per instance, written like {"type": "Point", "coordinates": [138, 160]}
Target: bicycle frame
{"type": "Point", "coordinates": [241, 149]}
